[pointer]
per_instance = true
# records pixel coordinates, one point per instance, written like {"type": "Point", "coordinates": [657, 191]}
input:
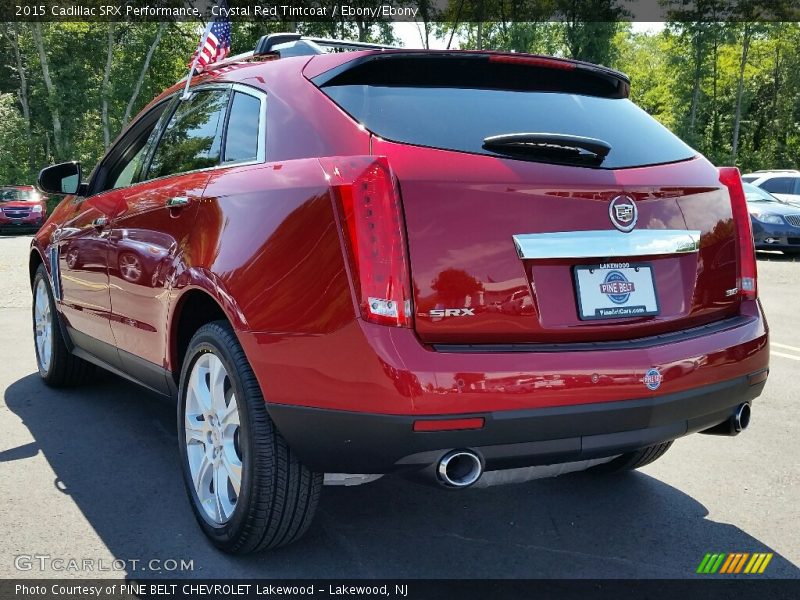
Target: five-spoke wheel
{"type": "Point", "coordinates": [42, 325]}
{"type": "Point", "coordinates": [213, 448]}
{"type": "Point", "coordinates": [248, 490]}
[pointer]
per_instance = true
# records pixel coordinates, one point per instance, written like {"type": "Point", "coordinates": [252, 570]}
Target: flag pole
{"type": "Point", "coordinates": [201, 45]}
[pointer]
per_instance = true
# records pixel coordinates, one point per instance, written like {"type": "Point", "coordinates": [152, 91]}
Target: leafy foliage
{"type": "Point", "coordinates": [730, 89]}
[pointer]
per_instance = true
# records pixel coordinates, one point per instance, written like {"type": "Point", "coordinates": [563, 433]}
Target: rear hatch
{"type": "Point", "coordinates": [541, 205]}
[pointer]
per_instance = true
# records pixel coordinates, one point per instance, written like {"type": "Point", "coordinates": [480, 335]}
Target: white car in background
{"type": "Point", "coordinates": [783, 184]}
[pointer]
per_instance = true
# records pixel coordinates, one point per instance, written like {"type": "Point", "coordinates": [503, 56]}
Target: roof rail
{"type": "Point", "coordinates": [778, 171]}
{"type": "Point", "coordinates": [274, 43]}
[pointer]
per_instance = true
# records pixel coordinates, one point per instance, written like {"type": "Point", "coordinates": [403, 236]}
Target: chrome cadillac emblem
{"type": "Point", "coordinates": [623, 213]}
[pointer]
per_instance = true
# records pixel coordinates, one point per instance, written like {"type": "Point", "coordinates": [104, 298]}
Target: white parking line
{"type": "Point", "coordinates": [795, 348]}
{"type": "Point", "coordinates": [793, 357]}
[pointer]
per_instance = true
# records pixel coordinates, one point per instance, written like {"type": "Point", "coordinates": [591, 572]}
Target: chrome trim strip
{"type": "Point", "coordinates": [606, 243]}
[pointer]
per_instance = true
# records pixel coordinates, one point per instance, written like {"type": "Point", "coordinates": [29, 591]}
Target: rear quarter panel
{"type": "Point", "coordinates": [267, 236]}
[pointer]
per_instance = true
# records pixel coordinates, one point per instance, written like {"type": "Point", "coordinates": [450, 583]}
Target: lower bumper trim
{"type": "Point", "coordinates": [352, 442]}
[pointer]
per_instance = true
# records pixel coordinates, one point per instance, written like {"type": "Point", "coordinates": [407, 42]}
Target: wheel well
{"type": "Point", "coordinates": [33, 265]}
{"type": "Point", "coordinates": [196, 308]}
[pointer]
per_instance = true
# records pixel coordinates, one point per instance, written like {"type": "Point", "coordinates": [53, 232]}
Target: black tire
{"type": "Point", "coordinates": [633, 460]}
{"type": "Point", "coordinates": [65, 369]}
{"type": "Point", "coordinates": [278, 495]}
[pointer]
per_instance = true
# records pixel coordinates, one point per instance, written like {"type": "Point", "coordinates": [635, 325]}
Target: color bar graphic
{"type": "Point", "coordinates": [734, 562]}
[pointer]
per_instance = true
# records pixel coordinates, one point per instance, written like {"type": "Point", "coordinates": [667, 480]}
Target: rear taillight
{"type": "Point", "coordinates": [747, 280]}
{"type": "Point", "coordinates": [371, 217]}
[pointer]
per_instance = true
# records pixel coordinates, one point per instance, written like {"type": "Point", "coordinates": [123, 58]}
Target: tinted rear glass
{"type": "Point", "coordinates": [193, 137]}
{"type": "Point", "coordinates": [459, 118]}
{"type": "Point", "coordinates": [241, 142]}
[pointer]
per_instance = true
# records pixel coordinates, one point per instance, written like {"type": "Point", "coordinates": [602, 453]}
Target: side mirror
{"type": "Point", "coordinates": [64, 178]}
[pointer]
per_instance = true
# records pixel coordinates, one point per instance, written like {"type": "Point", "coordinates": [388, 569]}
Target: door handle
{"type": "Point", "coordinates": [177, 202]}
{"type": "Point", "coordinates": [100, 222]}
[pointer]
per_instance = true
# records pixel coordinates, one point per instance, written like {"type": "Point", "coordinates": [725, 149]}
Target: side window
{"type": "Point", "coordinates": [241, 138]}
{"type": "Point", "coordinates": [129, 171]}
{"type": "Point", "coordinates": [124, 163]}
{"type": "Point", "coordinates": [779, 185]}
{"type": "Point", "coordinates": [192, 139]}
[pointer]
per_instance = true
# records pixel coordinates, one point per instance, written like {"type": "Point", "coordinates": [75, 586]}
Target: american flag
{"type": "Point", "coordinates": [215, 44]}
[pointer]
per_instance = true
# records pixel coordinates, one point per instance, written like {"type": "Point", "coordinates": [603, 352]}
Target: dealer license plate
{"type": "Point", "coordinates": [615, 291]}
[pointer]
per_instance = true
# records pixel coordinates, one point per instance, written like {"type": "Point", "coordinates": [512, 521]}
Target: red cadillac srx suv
{"type": "Point", "coordinates": [465, 267]}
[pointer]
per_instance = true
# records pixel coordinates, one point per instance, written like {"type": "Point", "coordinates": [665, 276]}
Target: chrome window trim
{"type": "Point", "coordinates": [261, 151]}
{"type": "Point", "coordinates": [606, 243]}
{"type": "Point", "coordinates": [262, 126]}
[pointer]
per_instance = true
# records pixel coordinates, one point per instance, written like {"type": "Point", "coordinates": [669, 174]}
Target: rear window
{"type": "Point", "coordinates": [459, 110]}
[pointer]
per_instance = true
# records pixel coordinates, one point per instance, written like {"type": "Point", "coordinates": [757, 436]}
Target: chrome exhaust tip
{"type": "Point", "coordinates": [742, 417]}
{"type": "Point", "coordinates": [734, 424]}
{"type": "Point", "coordinates": [459, 469]}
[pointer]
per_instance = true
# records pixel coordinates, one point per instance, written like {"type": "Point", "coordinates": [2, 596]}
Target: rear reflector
{"type": "Point", "coordinates": [448, 424]}
{"type": "Point", "coordinates": [758, 377]}
{"type": "Point", "coordinates": [748, 277]}
{"type": "Point", "coordinates": [371, 217]}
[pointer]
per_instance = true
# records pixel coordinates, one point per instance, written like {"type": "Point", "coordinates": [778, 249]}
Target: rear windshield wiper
{"type": "Point", "coordinates": [555, 146]}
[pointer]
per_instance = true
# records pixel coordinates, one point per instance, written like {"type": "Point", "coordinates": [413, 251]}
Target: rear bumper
{"type": "Point", "coordinates": [347, 442]}
{"type": "Point", "coordinates": [346, 400]}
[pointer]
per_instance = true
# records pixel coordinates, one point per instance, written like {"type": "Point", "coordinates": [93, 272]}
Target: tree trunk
{"type": "Point", "coordinates": [104, 89]}
{"type": "Point", "coordinates": [142, 73]}
{"type": "Point", "coordinates": [53, 101]}
{"type": "Point", "coordinates": [739, 88]}
{"type": "Point", "coordinates": [698, 70]}
{"type": "Point", "coordinates": [776, 122]}
{"type": "Point", "coordinates": [455, 23]}
{"type": "Point", "coordinates": [22, 93]}
{"type": "Point", "coordinates": [715, 132]}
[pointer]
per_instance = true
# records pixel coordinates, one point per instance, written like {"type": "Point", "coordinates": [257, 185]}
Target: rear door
{"type": "Point", "coordinates": [588, 221]}
{"type": "Point", "coordinates": [149, 237]}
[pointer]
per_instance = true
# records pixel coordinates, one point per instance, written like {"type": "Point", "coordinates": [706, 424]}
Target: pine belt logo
{"type": "Point", "coordinates": [617, 287]}
{"type": "Point", "coordinates": [734, 563]}
{"type": "Point", "coordinates": [652, 379]}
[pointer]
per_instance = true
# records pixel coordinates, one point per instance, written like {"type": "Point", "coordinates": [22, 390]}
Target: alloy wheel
{"type": "Point", "coordinates": [211, 426]}
{"type": "Point", "coordinates": [130, 267]}
{"type": "Point", "coordinates": [43, 325]}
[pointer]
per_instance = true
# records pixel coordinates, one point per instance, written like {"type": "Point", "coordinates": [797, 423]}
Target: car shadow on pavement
{"type": "Point", "coordinates": [113, 448]}
{"type": "Point", "coordinates": [776, 256]}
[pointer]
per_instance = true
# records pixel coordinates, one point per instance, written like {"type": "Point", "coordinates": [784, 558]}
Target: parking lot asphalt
{"type": "Point", "coordinates": [92, 474]}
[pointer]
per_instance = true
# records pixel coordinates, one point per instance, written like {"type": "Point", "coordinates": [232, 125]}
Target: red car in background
{"type": "Point", "coordinates": [437, 264]}
{"type": "Point", "coordinates": [22, 208]}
